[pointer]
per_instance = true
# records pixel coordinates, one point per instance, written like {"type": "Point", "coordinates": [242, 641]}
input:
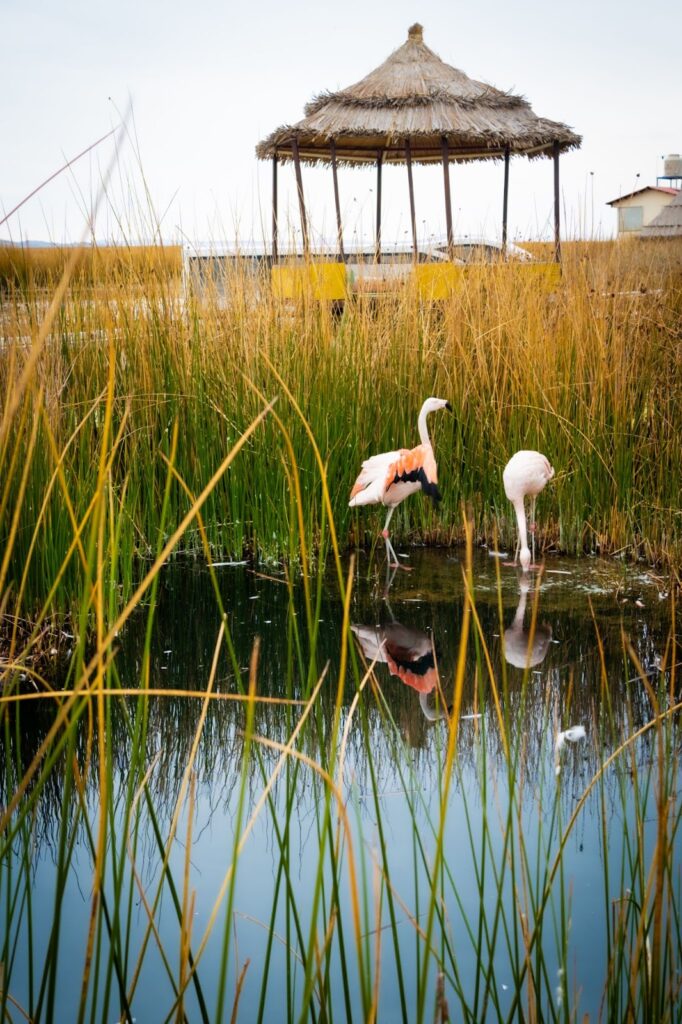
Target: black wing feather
{"type": "Point", "coordinates": [418, 666]}
{"type": "Point", "coordinates": [418, 475]}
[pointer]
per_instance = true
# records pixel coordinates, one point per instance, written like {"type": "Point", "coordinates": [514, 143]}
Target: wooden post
{"type": "Point", "coordinates": [413, 216]}
{"type": "Point", "coordinates": [557, 207]}
{"type": "Point", "coordinates": [274, 208]}
{"type": "Point", "coordinates": [299, 187]}
{"type": "Point", "coordinates": [339, 226]}
{"type": "Point", "coordinates": [505, 201]}
{"type": "Point", "coordinates": [377, 251]}
{"type": "Point", "coordinates": [448, 202]}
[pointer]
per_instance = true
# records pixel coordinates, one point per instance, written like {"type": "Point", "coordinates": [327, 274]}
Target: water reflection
{"type": "Point", "coordinates": [519, 651]}
{"type": "Point", "coordinates": [561, 720]}
{"type": "Point", "coordinates": [418, 645]}
{"type": "Point", "coordinates": [409, 655]}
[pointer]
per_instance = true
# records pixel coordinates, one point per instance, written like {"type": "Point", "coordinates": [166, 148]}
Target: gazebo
{"type": "Point", "coordinates": [414, 109]}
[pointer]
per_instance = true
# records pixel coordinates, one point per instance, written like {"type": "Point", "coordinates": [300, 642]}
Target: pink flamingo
{"type": "Point", "coordinates": [389, 478]}
{"type": "Point", "coordinates": [525, 473]}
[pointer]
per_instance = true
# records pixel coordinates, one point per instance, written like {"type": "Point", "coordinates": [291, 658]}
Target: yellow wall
{"type": "Point", "coordinates": [321, 281]}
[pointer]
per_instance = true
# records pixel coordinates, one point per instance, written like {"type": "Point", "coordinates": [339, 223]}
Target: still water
{"type": "Point", "coordinates": [560, 647]}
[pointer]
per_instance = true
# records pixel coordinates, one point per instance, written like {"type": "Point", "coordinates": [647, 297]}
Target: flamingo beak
{"type": "Point", "coordinates": [448, 407]}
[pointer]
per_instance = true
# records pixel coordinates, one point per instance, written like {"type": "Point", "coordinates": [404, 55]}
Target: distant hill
{"type": "Point", "coordinates": [99, 243]}
{"type": "Point", "coordinates": [29, 243]}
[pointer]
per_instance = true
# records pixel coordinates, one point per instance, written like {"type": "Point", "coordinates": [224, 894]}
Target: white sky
{"type": "Point", "coordinates": [208, 80]}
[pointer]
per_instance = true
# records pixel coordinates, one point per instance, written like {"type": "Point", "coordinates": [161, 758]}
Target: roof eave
{"type": "Point", "coordinates": [638, 191]}
{"type": "Point", "coordinates": [425, 148]}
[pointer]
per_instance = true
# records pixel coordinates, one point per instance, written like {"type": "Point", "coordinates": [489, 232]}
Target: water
{"type": "Point", "coordinates": [502, 831]}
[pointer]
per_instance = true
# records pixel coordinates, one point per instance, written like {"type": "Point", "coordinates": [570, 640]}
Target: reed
{"type": "Point", "coordinates": [486, 931]}
{"type": "Point", "coordinates": [37, 267]}
{"type": "Point", "coordinates": [140, 423]}
{"type": "Point", "coordinates": [586, 372]}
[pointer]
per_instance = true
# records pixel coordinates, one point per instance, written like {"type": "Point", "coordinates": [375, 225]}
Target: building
{"type": "Point", "coordinates": [668, 222]}
{"type": "Point", "coordinates": [638, 209]}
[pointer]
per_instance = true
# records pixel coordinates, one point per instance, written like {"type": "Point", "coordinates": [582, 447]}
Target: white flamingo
{"type": "Point", "coordinates": [526, 473]}
{"type": "Point", "coordinates": [389, 478]}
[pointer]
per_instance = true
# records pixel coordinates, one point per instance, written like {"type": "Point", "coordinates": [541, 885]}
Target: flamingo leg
{"type": "Point", "coordinates": [384, 534]}
{"type": "Point", "coordinates": [390, 574]}
{"type": "Point", "coordinates": [532, 525]}
{"type": "Point", "coordinates": [390, 553]}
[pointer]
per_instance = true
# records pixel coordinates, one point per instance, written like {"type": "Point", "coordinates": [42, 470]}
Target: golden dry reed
{"type": "Point", "coordinates": [141, 417]}
{"type": "Point", "coordinates": [585, 368]}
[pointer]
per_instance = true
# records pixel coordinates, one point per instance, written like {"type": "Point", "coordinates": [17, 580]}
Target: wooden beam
{"type": "Point", "coordinates": [445, 149]}
{"type": "Point", "coordinates": [337, 204]}
{"type": "Point", "coordinates": [505, 200]}
{"type": "Point", "coordinates": [377, 244]}
{"type": "Point", "coordinates": [299, 187]}
{"type": "Point", "coordinates": [274, 208]}
{"type": "Point", "coordinates": [413, 216]}
{"type": "Point", "coordinates": [557, 207]}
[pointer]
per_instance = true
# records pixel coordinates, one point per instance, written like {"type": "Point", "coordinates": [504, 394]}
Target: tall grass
{"type": "Point", "coordinates": [27, 268]}
{"type": "Point", "coordinates": [139, 422]}
{"type": "Point", "coordinates": [587, 372]}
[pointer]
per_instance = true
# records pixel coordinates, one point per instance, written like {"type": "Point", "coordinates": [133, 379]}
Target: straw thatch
{"type": "Point", "coordinates": [415, 96]}
{"type": "Point", "coordinates": [667, 223]}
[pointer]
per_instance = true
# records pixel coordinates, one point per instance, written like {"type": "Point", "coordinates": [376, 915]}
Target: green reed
{"type": "Point", "coordinates": [584, 371]}
{"type": "Point", "coordinates": [141, 426]}
{"type": "Point", "coordinates": [516, 928]}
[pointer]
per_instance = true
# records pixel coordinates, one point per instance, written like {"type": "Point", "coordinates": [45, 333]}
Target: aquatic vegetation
{"type": "Point", "coordinates": [27, 268]}
{"type": "Point", "coordinates": [284, 830]}
{"type": "Point", "coordinates": [273, 831]}
{"type": "Point", "coordinates": [587, 373]}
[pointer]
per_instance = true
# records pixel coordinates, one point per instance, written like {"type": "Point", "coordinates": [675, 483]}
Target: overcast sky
{"type": "Point", "coordinates": [208, 80]}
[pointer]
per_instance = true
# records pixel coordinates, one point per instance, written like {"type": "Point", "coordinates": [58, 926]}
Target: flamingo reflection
{"type": "Point", "coordinates": [409, 655]}
{"type": "Point", "coordinates": [517, 648]}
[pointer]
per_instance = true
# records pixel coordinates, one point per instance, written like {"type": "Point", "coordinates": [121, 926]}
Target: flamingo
{"type": "Point", "coordinates": [389, 478]}
{"type": "Point", "coordinates": [525, 473]}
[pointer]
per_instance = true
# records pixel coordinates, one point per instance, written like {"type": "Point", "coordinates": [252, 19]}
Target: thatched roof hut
{"type": "Point", "coordinates": [414, 108]}
{"type": "Point", "coordinates": [667, 223]}
{"type": "Point", "coordinates": [415, 96]}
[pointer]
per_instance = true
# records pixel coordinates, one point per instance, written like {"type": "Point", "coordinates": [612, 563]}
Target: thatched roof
{"type": "Point", "coordinates": [667, 223]}
{"type": "Point", "coordinates": [414, 95]}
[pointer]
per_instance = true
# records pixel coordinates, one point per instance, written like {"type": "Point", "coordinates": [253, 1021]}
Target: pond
{"type": "Point", "coordinates": [454, 827]}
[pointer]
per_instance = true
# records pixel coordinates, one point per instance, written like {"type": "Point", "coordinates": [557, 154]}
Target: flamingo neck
{"type": "Point", "coordinates": [430, 714]}
{"type": "Point", "coordinates": [521, 522]}
{"type": "Point", "coordinates": [421, 426]}
{"type": "Point", "coordinates": [517, 624]}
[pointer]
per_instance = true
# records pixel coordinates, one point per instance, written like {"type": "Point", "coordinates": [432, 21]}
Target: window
{"type": "Point", "coordinates": [631, 218]}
